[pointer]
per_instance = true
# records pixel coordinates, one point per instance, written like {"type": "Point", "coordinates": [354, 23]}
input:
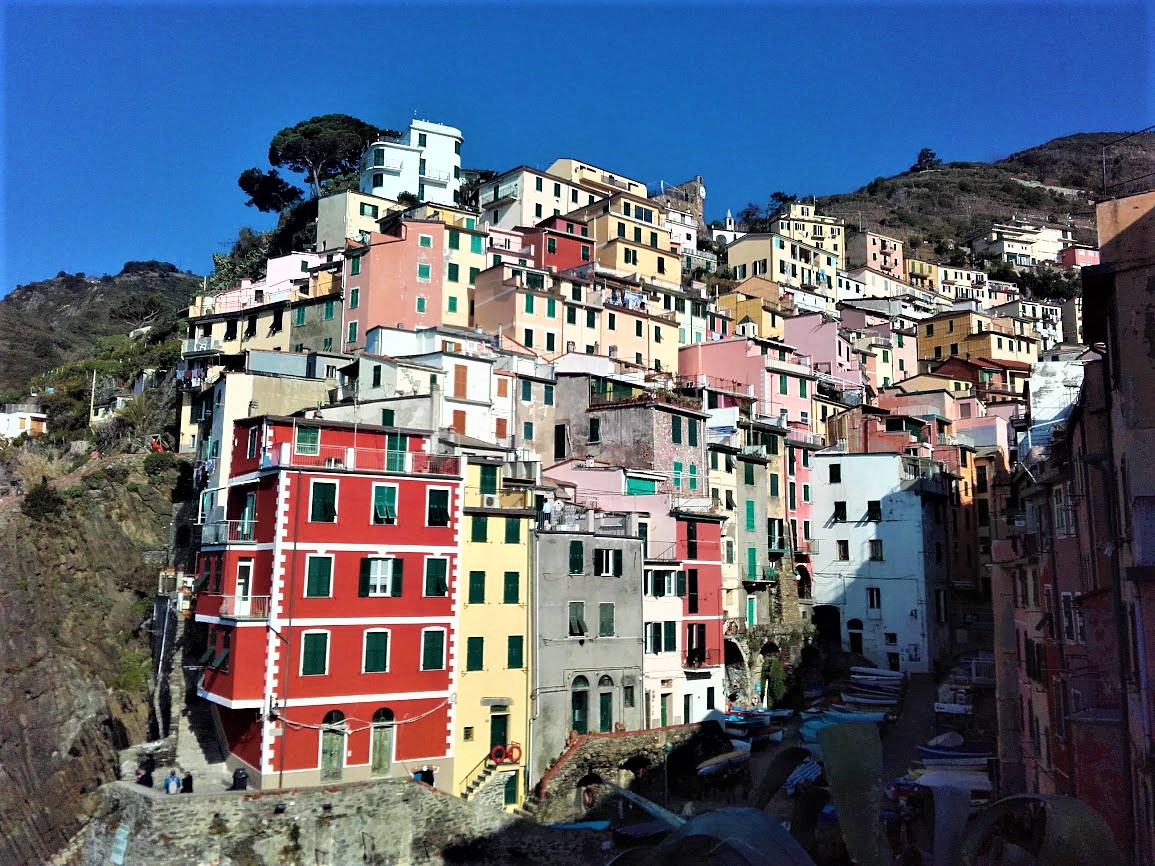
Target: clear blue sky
{"type": "Point", "coordinates": [126, 127]}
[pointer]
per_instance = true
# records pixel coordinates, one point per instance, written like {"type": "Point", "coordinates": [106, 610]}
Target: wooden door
{"type": "Point", "coordinates": [460, 380]}
{"type": "Point", "coordinates": [332, 754]}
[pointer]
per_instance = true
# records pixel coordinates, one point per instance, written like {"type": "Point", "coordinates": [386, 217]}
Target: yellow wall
{"type": "Point", "coordinates": [966, 339]}
{"type": "Point", "coordinates": [740, 306]}
{"type": "Point", "coordinates": [495, 621]}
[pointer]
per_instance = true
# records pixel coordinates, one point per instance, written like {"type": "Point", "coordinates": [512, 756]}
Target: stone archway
{"type": "Point", "coordinates": [827, 620]}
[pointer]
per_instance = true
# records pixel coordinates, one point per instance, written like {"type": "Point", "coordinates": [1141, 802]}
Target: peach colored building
{"type": "Point", "coordinates": [877, 252]}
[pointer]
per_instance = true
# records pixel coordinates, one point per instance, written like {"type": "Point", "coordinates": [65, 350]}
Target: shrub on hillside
{"type": "Point", "coordinates": [42, 502]}
{"type": "Point", "coordinates": [160, 462]}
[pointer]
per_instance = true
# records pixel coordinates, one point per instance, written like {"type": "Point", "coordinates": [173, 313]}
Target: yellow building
{"type": "Point", "coordinates": [922, 274]}
{"type": "Point", "coordinates": [597, 179]}
{"type": "Point", "coordinates": [784, 260]}
{"type": "Point", "coordinates": [493, 659]}
{"type": "Point", "coordinates": [799, 221]}
{"type": "Point", "coordinates": [970, 334]}
{"type": "Point", "coordinates": [631, 239]}
{"type": "Point", "coordinates": [763, 314]}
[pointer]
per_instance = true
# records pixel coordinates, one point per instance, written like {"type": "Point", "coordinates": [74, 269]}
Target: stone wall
{"type": "Point", "coordinates": [386, 822]}
{"type": "Point", "coordinates": [604, 756]}
{"type": "Point", "coordinates": [685, 197]}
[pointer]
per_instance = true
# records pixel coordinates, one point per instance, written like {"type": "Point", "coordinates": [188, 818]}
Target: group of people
{"type": "Point", "coordinates": [425, 774]}
{"type": "Point", "coordinates": [173, 783]}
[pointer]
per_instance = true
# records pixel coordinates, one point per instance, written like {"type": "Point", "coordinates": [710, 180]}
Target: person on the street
{"type": "Point", "coordinates": [144, 777]}
{"type": "Point", "coordinates": [172, 782]}
{"type": "Point", "coordinates": [186, 784]}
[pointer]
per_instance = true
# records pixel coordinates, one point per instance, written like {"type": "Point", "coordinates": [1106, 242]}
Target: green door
{"type": "Point", "coordinates": [395, 453]}
{"type": "Point", "coordinates": [332, 754]}
{"type": "Point", "coordinates": [606, 711]}
{"type": "Point", "coordinates": [580, 705]}
{"type": "Point", "coordinates": [382, 750]}
{"type": "Point", "coordinates": [248, 516]}
{"type": "Point", "coordinates": [498, 730]}
{"type": "Point", "coordinates": [751, 610]}
{"type": "Point", "coordinates": [751, 563]}
{"type": "Point", "coordinates": [665, 708]}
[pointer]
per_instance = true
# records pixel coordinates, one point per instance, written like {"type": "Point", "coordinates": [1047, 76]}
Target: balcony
{"type": "Point", "coordinates": [362, 460]}
{"type": "Point", "coordinates": [229, 532]}
{"type": "Point", "coordinates": [500, 195]}
{"type": "Point", "coordinates": [238, 607]}
{"type": "Point", "coordinates": [610, 180]}
{"type": "Point", "coordinates": [700, 657]}
{"type": "Point", "coordinates": [734, 626]}
{"type": "Point", "coordinates": [760, 575]}
{"type": "Point", "coordinates": [805, 437]}
{"type": "Point", "coordinates": [392, 166]}
{"type": "Point", "coordinates": [202, 346]}
{"type": "Point", "coordinates": [806, 545]}
{"type": "Point", "coordinates": [698, 504]}
{"type": "Point", "coordinates": [436, 176]}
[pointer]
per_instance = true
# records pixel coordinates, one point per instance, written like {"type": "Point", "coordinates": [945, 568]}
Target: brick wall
{"type": "Point", "coordinates": [387, 822]}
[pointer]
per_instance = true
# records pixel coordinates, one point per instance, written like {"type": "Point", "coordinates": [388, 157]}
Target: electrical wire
{"type": "Point", "coordinates": [364, 725]}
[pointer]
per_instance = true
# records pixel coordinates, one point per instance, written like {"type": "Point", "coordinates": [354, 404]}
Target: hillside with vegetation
{"type": "Point", "coordinates": [50, 322]}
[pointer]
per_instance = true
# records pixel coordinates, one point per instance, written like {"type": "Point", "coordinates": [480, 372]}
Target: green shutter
{"type": "Point", "coordinates": [774, 484]}
{"type": "Point", "coordinates": [513, 530]}
{"type": "Point", "coordinates": [433, 651]}
{"type": "Point", "coordinates": [474, 653]}
{"type": "Point", "coordinates": [693, 431]}
{"type": "Point", "coordinates": [792, 489]}
{"type": "Point", "coordinates": [529, 303]}
{"type": "Point", "coordinates": [605, 619]}
{"type": "Point", "coordinates": [752, 563]}
{"type": "Point", "coordinates": [676, 429]}
{"type": "Point", "coordinates": [693, 476]}
{"type": "Point", "coordinates": [480, 528]}
{"type": "Point", "coordinates": [473, 272]}
{"type": "Point", "coordinates": [551, 307]}
{"type": "Point", "coordinates": [549, 395]}
{"type": "Point", "coordinates": [577, 557]}
{"type": "Point", "coordinates": [669, 636]}
{"type": "Point", "coordinates": [640, 486]}
{"type": "Point", "coordinates": [475, 244]}
{"type": "Point", "coordinates": [384, 504]}
{"type": "Point", "coordinates": [477, 587]}
{"type": "Point", "coordinates": [320, 577]}
{"type": "Point", "coordinates": [512, 588]}
{"type": "Point", "coordinates": [515, 654]}
{"type": "Point", "coordinates": [783, 382]}
{"type": "Point", "coordinates": [677, 473]}
{"type": "Point", "coordinates": [748, 472]}
{"type": "Point", "coordinates": [454, 239]}
{"type": "Point", "coordinates": [376, 651]}
{"type": "Point", "coordinates": [363, 583]}
{"type": "Point", "coordinates": [438, 508]}
{"type": "Point", "coordinates": [619, 562]}
{"type": "Point", "coordinates": [488, 479]}
{"type": "Point", "coordinates": [436, 580]}
{"type": "Point", "coordinates": [453, 272]}
{"type": "Point", "coordinates": [387, 416]}
{"type": "Point", "coordinates": [398, 575]}
{"type": "Point", "coordinates": [323, 508]}
{"type": "Point", "coordinates": [681, 584]}
{"type": "Point", "coordinates": [751, 523]}
{"type": "Point", "coordinates": [308, 441]}
{"type": "Point", "coordinates": [801, 387]}
{"type": "Point", "coordinates": [314, 648]}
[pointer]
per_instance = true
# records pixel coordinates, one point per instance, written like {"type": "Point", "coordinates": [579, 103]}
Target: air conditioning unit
{"type": "Point", "coordinates": [491, 500]}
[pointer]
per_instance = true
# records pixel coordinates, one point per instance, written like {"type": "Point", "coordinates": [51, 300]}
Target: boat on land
{"type": "Point", "coordinates": [951, 745]}
{"type": "Point", "coordinates": [858, 699]}
{"type": "Point", "coordinates": [878, 672]}
{"type": "Point", "coordinates": [723, 763]}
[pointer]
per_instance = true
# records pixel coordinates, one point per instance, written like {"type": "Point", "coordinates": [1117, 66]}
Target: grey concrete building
{"type": "Point", "coordinates": [587, 626]}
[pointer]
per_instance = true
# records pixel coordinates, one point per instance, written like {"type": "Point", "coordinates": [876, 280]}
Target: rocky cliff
{"type": "Point", "coordinates": [76, 592]}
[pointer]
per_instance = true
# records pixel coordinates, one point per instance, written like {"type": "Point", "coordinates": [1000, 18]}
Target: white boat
{"type": "Point", "coordinates": [878, 672]}
{"type": "Point", "coordinates": [979, 761]}
{"type": "Point", "coordinates": [869, 700]}
{"type": "Point", "coordinates": [881, 682]}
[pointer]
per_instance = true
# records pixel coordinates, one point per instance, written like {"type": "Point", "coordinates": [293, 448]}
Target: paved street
{"type": "Point", "coordinates": [915, 726]}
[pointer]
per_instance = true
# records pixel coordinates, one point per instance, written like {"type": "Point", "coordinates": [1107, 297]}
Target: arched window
{"type": "Point", "coordinates": [580, 704]}
{"type": "Point", "coordinates": [854, 624]}
{"type": "Point", "coordinates": [606, 683]}
{"type": "Point", "coordinates": [381, 742]}
{"type": "Point", "coordinates": [335, 718]}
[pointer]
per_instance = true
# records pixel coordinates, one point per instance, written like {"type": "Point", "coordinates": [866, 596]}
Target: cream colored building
{"type": "Point", "coordinates": [631, 239]}
{"type": "Point", "coordinates": [349, 215]}
{"type": "Point", "coordinates": [525, 196]}
{"type": "Point", "coordinates": [591, 177]}
{"type": "Point", "coordinates": [784, 260]}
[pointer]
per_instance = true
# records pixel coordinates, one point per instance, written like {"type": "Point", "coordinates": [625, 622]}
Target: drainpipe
{"type": "Point", "coordinates": [287, 636]}
{"type": "Point", "coordinates": [1107, 466]}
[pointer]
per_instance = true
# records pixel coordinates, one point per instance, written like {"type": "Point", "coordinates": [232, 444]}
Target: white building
{"type": "Point", "coordinates": [426, 162]}
{"type": "Point", "coordinates": [880, 570]}
{"type": "Point", "coordinates": [19, 419]}
{"type": "Point", "coordinates": [729, 233]}
{"type": "Point", "coordinates": [524, 196]}
{"type": "Point", "coordinates": [1046, 318]}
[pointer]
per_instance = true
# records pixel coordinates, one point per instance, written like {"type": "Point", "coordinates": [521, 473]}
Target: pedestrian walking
{"type": "Point", "coordinates": [172, 782]}
{"type": "Point", "coordinates": [186, 784]}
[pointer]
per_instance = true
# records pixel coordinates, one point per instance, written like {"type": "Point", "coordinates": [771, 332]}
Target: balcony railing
{"type": "Point", "coordinates": [230, 532]}
{"type": "Point", "coordinates": [202, 344]}
{"type": "Point", "coordinates": [700, 657]}
{"type": "Point", "coordinates": [234, 606]}
{"type": "Point", "coordinates": [363, 460]}
{"type": "Point", "coordinates": [436, 176]}
{"type": "Point", "coordinates": [806, 545]}
{"type": "Point", "coordinates": [760, 575]}
{"type": "Point", "coordinates": [734, 625]}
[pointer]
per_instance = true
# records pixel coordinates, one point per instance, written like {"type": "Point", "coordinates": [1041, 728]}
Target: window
{"type": "Point", "coordinates": [608, 562]}
{"type": "Point", "coordinates": [314, 653]}
{"type": "Point", "coordinates": [511, 588]}
{"type": "Point", "coordinates": [577, 619]}
{"type": "Point", "coordinates": [299, 315]}
{"type": "Point", "coordinates": [513, 530]}
{"type": "Point", "coordinates": [351, 334]}
{"type": "Point", "coordinates": [577, 557]}
{"type": "Point", "coordinates": [433, 650]}
{"type": "Point", "coordinates": [436, 577]}
{"type": "Point", "coordinates": [479, 528]}
{"type": "Point", "coordinates": [474, 653]}
{"type": "Point", "coordinates": [835, 473]}
{"type": "Point", "coordinates": [805, 491]}
{"type": "Point", "coordinates": [751, 522]}
{"type": "Point", "coordinates": [528, 338]}
{"type": "Point", "coordinates": [319, 577]}
{"type": "Point", "coordinates": [421, 139]}
{"type": "Point", "coordinates": [476, 588]}
{"type": "Point", "coordinates": [585, 251]}
{"type": "Point", "coordinates": [425, 240]}
{"type": "Point", "coordinates": [323, 502]}
{"type": "Point", "coordinates": [874, 598]}
{"type": "Point", "coordinates": [527, 431]}
{"type": "Point", "coordinates": [839, 512]}
{"type": "Point", "coordinates": [876, 549]}
{"type": "Point", "coordinates": [537, 211]}
{"type": "Point", "coordinates": [453, 273]}
{"type": "Point", "coordinates": [843, 550]}
{"type": "Point", "coordinates": [384, 502]}
{"type": "Point", "coordinates": [515, 652]}
{"type": "Point", "coordinates": [376, 654]}
{"type": "Point", "coordinates": [801, 387]}
{"type": "Point", "coordinates": [595, 434]}
{"type": "Point", "coordinates": [783, 383]}
{"type": "Point", "coordinates": [606, 619]}
{"type": "Point", "coordinates": [424, 273]}
{"type": "Point", "coordinates": [677, 474]}
{"type": "Point", "coordinates": [437, 508]}
{"type": "Point", "coordinates": [692, 431]}
{"type": "Point", "coordinates": [549, 395]}
{"type": "Point", "coordinates": [307, 441]}
{"type": "Point", "coordinates": [354, 298]}
{"type": "Point", "coordinates": [774, 491]}
{"type": "Point", "coordinates": [874, 510]}
{"type": "Point", "coordinates": [327, 313]}
{"type": "Point", "coordinates": [676, 429]}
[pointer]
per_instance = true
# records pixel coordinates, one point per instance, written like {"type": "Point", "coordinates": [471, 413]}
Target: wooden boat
{"type": "Point", "coordinates": [863, 715]}
{"type": "Point", "coordinates": [869, 700]}
{"type": "Point", "coordinates": [722, 763]}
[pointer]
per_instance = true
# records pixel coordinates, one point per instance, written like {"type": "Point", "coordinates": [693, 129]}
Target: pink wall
{"type": "Point", "coordinates": [819, 338]}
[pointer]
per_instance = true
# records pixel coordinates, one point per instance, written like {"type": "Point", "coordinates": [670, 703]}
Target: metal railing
{"type": "Point", "coordinates": [202, 344]}
{"type": "Point", "coordinates": [436, 176]}
{"type": "Point", "coordinates": [362, 459]}
{"type": "Point", "coordinates": [700, 657]}
{"type": "Point", "coordinates": [760, 575]}
{"type": "Point", "coordinates": [242, 531]}
{"type": "Point", "coordinates": [242, 606]}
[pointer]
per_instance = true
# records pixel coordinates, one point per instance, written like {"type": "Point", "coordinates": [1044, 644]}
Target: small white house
{"type": "Point", "coordinates": [880, 572]}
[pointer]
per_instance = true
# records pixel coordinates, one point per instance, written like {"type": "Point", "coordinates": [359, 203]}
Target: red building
{"type": "Point", "coordinates": [699, 547]}
{"type": "Point", "coordinates": [562, 242]}
{"type": "Point", "coordinates": [327, 588]}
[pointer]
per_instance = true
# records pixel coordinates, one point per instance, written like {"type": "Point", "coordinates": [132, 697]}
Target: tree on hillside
{"type": "Point", "coordinates": [927, 160]}
{"type": "Point", "coordinates": [268, 192]}
{"type": "Point", "coordinates": [140, 309]}
{"type": "Point", "coordinates": [779, 200]}
{"type": "Point", "coordinates": [246, 258]}
{"type": "Point", "coordinates": [324, 147]}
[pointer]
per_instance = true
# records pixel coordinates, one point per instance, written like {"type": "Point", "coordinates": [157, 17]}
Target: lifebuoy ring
{"type": "Point", "coordinates": [497, 755]}
{"type": "Point", "coordinates": [513, 755]}
{"type": "Point", "coordinates": [589, 797]}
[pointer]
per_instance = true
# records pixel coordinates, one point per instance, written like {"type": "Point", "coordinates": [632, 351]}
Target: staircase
{"type": "Point", "coordinates": [480, 779]}
{"type": "Point", "coordinates": [198, 744]}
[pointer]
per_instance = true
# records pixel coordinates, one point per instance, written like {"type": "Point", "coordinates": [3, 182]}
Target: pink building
{"type": "Point", "coordinates": [1078, 257]}
{"type": "Point", "coordinates": [877, 252]}
{"type": "Point", "coordinates": [821, 339]}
